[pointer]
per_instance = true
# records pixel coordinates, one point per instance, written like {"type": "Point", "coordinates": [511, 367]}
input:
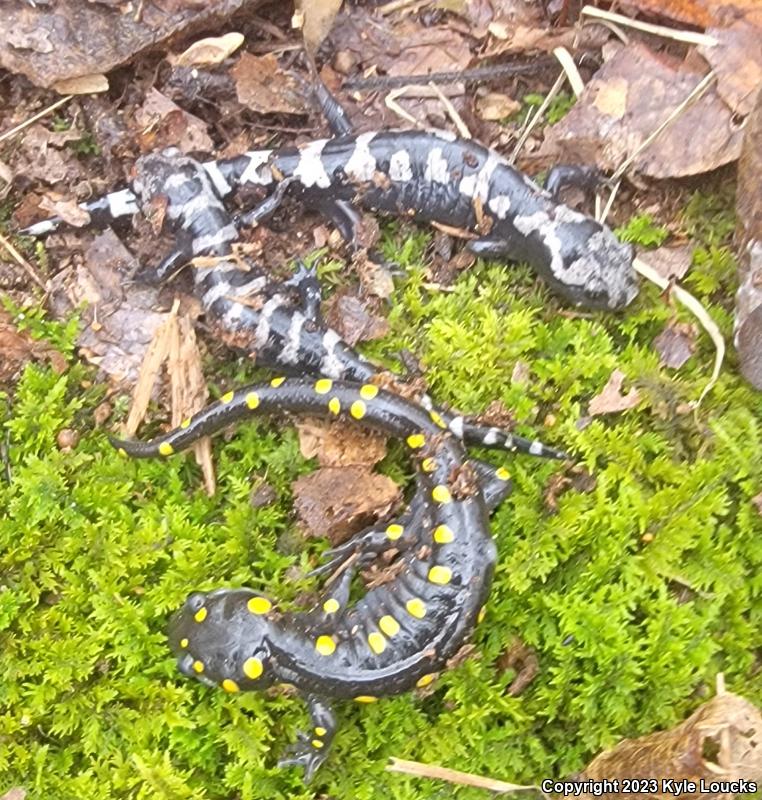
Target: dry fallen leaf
{"type": "Point", "coordinates": [338, 501]}
{"type": "Point", "coordinates": [206, 52]}
{"type": "Point", "coordinates": [263, 86]}
{"type": "Point", "coordinates": [335, 445]}
{"type": "Point", "coordinates": [611, 400]}
{"type": "Point", "coordinates": [68, 210]}
{"type": "Point", "coordinates": [495, 106]}
{"type": "Point", "coordinates": [629, 97]}
{"type": "Point", "coordinates": [702, 13]}
{"type": "Point", "coordinates": [676, 344]}
{"type": "Point", "coordinates": [354, 319]}
{"type": "Point", "coordinates": [316, 19]}
{"type": "Point", "coordinates": [84, 84]}
{"type": "Point", "coordinates": [720, 741]}
{"type": "Point", "coordinates": [18, 347]}
{"type": "Point", "coordinates": [165, 124]}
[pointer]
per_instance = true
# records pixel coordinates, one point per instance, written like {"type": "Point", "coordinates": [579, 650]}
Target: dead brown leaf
{"type": "Point", "coordinates": [719, 741]}
{"type": "Point", "coordinates": [629, 97]}
{"type": "Point", "coordinates": [495, 106]}
{"type": "Point", "coordinates": [83, 84]}
{"type": "Point", "coordinates": [523, 659]}
{"type": "Point", "coordinates": [165, 124]}
{"type": "Point", "coordinates": [16, 793]}
{"type": "Point", "coordinates": [737, 60]}
{"type": "Point", "coordinates": [72, 38]}
{"type": "Point", "coordinates": [335, 445]}
{"type": "Point", "coordinates": [338, 501]}
{"type": "Point", "coordinates": [354, 318]}
{"type": "Point", "coordinates": [702, 13]}
{"type": "Point", "coordinates": [676, 344]}
{"type": "Point", "coordinates": [263, 86]}
{"type": "Point", "coordinates": [17, 348]}
{"type": "Point", "coordinates": [67, 209]}
{"type": "Point", "coordinates": [671, 261]}
{"type": "Point", "coordinates": [611, 400]}
{"type": "Point", "coordinates": [316, 19]}
{"type": "Point", "coordinates": [209, 51]}
{"type": "Point", "coordinates": [757, 502]}
{"type": "Point", "coordinates": [119, 319]}
{"type": "Point", "coordinates": [43, 157]}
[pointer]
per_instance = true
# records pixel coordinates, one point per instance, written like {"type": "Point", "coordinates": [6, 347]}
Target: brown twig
{"type": "Point", "coordinates": [27, 267]}
{"type": "Point", "coordinates": [454, 776]}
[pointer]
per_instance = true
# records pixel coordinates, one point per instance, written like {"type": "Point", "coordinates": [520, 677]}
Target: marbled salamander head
{"type": "Point", "coordinates": [221, 639]}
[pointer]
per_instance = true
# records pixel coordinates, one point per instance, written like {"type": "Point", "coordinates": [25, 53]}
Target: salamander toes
{"type": "Point", "coordinates": [303, 754]}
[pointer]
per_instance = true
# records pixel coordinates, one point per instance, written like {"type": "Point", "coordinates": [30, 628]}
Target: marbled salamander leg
{"type": "Point", "coordinates": [587, 178]}
{"type": "Point", "coordinates": [312, 749]}
{"type": "Point", "coordinates": [266, 208]}
{"type": "Point", "coordinates": [305, 281]}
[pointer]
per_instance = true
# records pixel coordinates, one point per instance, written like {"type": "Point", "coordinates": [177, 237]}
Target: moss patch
{"type": "Point", "coordinates": [634, 594]}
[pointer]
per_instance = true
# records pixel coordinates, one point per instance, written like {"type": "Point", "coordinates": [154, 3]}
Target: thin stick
{"type": "Point", "coordinates": [19, 259]}
{"type": "Point", "coordinates": [570, 68]}
{"type": "Point", "coordinates": [452, 112]}
{"type": "Point", "coordinates": [39, 115]}
{"type": "Point", "coordinates": [390, 101]}
{"type": "Point", "coordinates": [658, 30]}
{"type": "Point", "coordinates": [554, 89]}
{"type": "Point", "coordinates": [454, 776]}
{"type": "Point", "coordinates": [695, 307]}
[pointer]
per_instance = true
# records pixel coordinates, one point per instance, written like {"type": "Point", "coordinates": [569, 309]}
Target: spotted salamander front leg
{"type": "Point", "coordinates": [311, 749]}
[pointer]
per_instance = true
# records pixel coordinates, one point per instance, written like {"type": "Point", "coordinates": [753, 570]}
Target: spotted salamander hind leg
{"type": "Point", "coordinates": [311, 749]}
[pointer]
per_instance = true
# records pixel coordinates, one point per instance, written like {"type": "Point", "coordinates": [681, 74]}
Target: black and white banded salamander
{"type": "Point", "coordinates": [282, 336]}
{"type": "Point", "coordinates": [436, 177]}
{"type": "Point", "coordinates": [398, 635]}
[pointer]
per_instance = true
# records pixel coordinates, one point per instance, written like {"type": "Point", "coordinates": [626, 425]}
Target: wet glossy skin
{"type": "Point", "coordinates": [398, 635]}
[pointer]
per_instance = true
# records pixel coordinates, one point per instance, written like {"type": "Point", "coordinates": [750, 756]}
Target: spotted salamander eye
{"type": "Point", "coordinates": [195, 601]}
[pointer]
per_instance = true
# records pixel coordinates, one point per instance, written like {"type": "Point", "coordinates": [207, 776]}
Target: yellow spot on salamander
{"type": "Point", "coordinates": [166, 449]}
{"type": "Point", "coordinates": [227, 397]}
{"type": "Point", "coordinates": [441, 494]}
{"type": "Point", "coordinates": [503, 474]}
{"type": "Point", "coordinates": [365, 698]}
{"type": "Point", "coordinates": [394, 531]}
{"type": "Point", "coordinates": [416, 608]}
{"type": "Point", "coordinates": [425, 680]}
{"type": "Point", "coordinates": [368, 391]}
{"type": "Point", "coordinates": [377, 642]}
{"type": "Point", "coordinates": [437, 419]}
{"type": "Point", "coordinates": [428, 465]}
{"type": "Point", "coordinates": [334, 406]}
{"type": "Point", "coordinates": [389, 625]}
{"type": "Point", "coordinates": [482, 614]}
{"type": "Point", "coordinates": [276, 382]}
{"type": "Point", "coordinates": [200, 615]}
{"type": "Point", "coordinates": [323, 386]}
{"type": "Point", "coordinates": [443, 534]}
{"type": "Point", "coordinates": [253, 668]}
{"type": "Point", "coordinates": [198, 667]}
{"type": "Point", "coordinates": [320, 731]}
{"type": "Point", "coordinates": [416, 440]}
{"type": "Point", "coordinates": [252, 400]}
{"type": "Point", "coordinates": [185, 423]}
{"type": "Point", "coordinates": [440, 575]}
{"type": "Point", "coordinates": [317, 743]}
{"type": "Point", "coordinates": [357, 409]}
{"type": "Point", "coordinates": [122, 452]}
{"type": "Point", "coordinates": [331, 605]}
{"type": "Point", "coordinates": [325, 645]}
{"type": "Point", "coordinates": [259, 605]}
{"type": "Point", "coordinates": [230, 686]}
{"type": "Point", "coordinates": [184, 643]}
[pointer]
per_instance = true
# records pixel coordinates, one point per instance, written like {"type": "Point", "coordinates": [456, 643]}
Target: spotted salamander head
{"type": "Point", "coordinates": [221, 638]}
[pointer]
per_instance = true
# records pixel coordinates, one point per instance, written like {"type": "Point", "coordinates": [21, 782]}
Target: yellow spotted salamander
{"type": "Point", "coordinates": [398, 635]}
{"type": "Point", "coordinates": [281, 335]}
{"type": "Point", "coordinates": [432, 176]}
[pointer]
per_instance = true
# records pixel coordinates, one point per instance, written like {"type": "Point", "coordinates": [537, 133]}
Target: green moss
{"type": "Point", "coordinates": [634, 594]}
